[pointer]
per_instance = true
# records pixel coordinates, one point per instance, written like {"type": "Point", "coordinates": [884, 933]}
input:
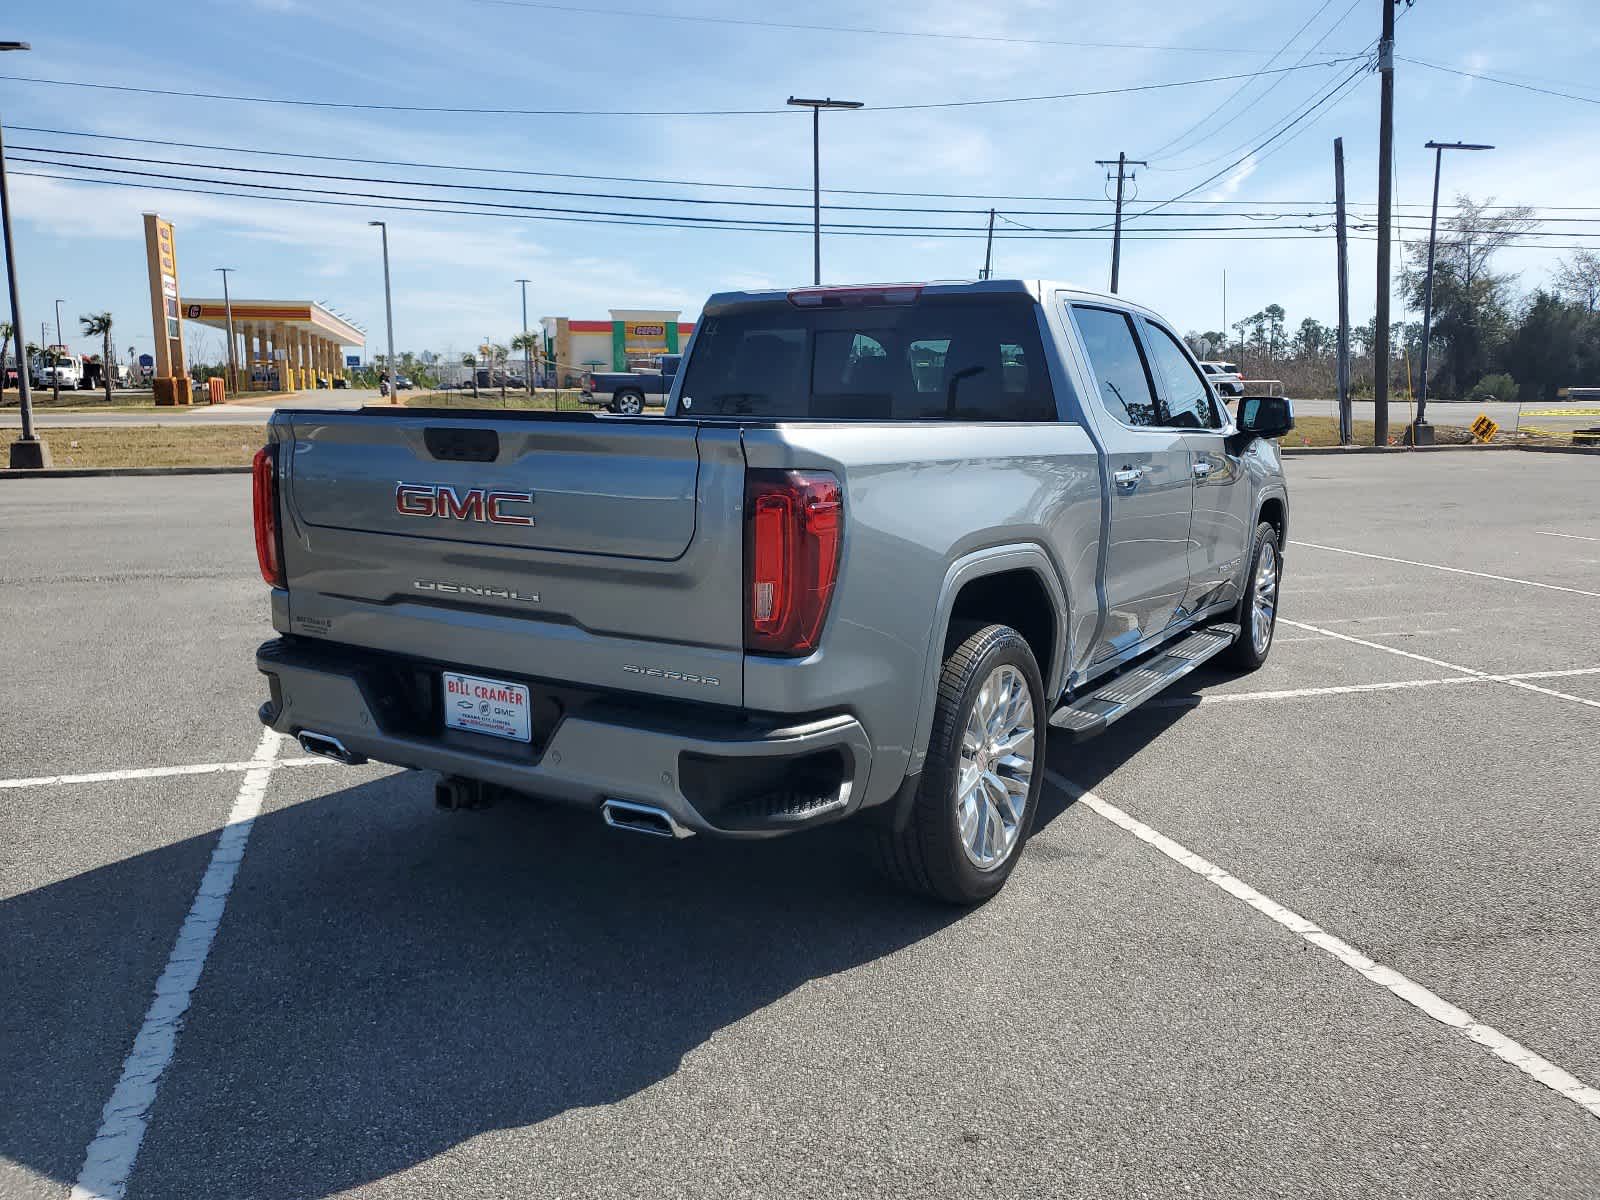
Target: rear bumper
{"type": "Point", "coordinates": [718, 772]}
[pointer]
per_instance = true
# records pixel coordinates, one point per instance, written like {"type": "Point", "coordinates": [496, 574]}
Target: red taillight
{"type": "Point", "coordinates": [794, 523]}
{"type": "Point", "coordinates": [264, 500]}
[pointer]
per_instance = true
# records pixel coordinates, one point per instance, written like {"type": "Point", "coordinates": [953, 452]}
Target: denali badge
{"type": "Point", "coordinates": [473, 504]}
{"type": "Point", "coordinates": [675, 676]}
{"type": "Point", "coordinates": [467, 589]}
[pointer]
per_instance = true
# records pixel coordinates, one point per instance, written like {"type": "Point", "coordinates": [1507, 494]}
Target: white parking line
{"type": "Point", "coordinates": [1577, 537]}
{"type": "Point", "coordinates": [162, 772]}
{"type": "Point", "coordinates": [1508, 680]}
{"type": "Point", "coordinates": [1351, 689]}
{"type": "Point", "coordinates": [1411, 562]}
{"type": "Point", "coordinates": [110, 1157]}
{"type": "Point", "coordinates": [1502, 1047]}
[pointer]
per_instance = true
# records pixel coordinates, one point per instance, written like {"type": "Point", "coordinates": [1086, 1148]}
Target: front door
{"type": "Point", "coordinates": [1221, 531]}
{"type": "Point", "coordinates": [1152, 485]}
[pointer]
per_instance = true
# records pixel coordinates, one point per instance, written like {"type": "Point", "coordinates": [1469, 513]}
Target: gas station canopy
{"type": "Point", "coordinates": [286, 343]}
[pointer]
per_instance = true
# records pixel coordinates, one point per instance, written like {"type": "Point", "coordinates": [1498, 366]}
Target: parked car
{"type": "Point", "coordinates": [1224, 377]}
{"type": "Point", "coordinates": [628, 392]}
{"type": "Point", "coordinates": [884, 540]}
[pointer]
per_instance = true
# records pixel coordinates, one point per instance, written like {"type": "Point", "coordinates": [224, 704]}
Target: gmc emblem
{"type": "Point", "coordinates": [474, 504]}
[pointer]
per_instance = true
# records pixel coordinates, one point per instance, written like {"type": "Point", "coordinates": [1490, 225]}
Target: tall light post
{"type": "Point", "coordinates": [227, 306]}
{"type": "Point", "coordinates": [1438, 149]}
{"type": "Point", "coordinates": [29, 450]}
{"type": "Point", "coordinates": [527, 346]}
{"type": "Point", "coordinates": [388, 307]}
{"type": "Point", "coordinates": [816, 107]}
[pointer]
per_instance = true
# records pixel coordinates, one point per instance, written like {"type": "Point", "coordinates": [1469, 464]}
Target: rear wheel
{"type": "Point", "coordinates": [1258, 607]}
{"type": "Point", "coordinates": [629, 404]}
{"type": "Point", "coordinates": [979, 791]}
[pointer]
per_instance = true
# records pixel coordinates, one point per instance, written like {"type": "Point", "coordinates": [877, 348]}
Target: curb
{"type": "Point", "coordinates": [91, 472]}
{"type": "Point", "coordinates": [1337, 451]}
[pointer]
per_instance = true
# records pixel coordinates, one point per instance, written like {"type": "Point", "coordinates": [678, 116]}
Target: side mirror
{"type": "Point", "coordinates": [1265, 416]}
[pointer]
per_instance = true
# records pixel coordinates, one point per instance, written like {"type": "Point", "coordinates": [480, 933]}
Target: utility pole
{"type": "Point", "coordinates": [816, 107]}
{"type": "Point", "coordinates": [1380, 340]}
{"type": "Point", "coordinates": [1347, 435]}
{"type": "Point", "coordinates": [233, 363]}
{"type": "Point", "coordinates": [388, 309]}
{"type": "Point", "coordinates": [28, 451]}
{"type": "Point", "coordinates": [55, 355]}
{"type": "Point", "coordinates": [1420, 435]}
{"type": "Point", "coordinates": [1122, 163]}
{"type": "Point", "coordinates": [988, 250]}
{"type": "Point", "coordinates": [527, 346]}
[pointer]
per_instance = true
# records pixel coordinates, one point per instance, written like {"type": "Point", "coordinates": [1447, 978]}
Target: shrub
{"type": "Point", "coordinates": [1495, 387]}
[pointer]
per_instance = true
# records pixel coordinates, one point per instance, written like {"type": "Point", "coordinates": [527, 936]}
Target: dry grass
{"type": "Point", "coordinates": [488, 400]}
{"type": "Point", "coordinates": [155, 446]}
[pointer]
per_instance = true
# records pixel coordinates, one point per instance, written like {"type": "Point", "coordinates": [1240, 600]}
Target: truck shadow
{"type": "Point", "coordinates": [389, 982]}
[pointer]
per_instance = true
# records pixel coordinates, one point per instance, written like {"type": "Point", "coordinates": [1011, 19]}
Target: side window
{"type": "Point", "coordinates": [1186, 399]}
{"type": "Point", "coordinates": [1118, 365]}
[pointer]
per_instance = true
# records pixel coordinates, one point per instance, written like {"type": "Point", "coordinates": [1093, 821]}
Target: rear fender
{"type": "Point", "coordinates": [992, 561]}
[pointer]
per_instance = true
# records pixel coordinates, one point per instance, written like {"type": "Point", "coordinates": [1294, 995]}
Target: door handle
{"type": "Point", "coordinates": [1202, 469]}
{"type": "Point", "coordinates": [1127, 476]}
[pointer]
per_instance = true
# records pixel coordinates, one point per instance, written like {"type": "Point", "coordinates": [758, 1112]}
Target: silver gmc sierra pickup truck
{"type": "Point", "coordinates": [883, 539]}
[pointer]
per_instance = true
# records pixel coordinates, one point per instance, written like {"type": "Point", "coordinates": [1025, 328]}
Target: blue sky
{"type": "Point", "coordinates": [453, 275]}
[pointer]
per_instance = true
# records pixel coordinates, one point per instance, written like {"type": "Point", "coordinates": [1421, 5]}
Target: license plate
{"type": "Point", "coordinates": [490, 706]}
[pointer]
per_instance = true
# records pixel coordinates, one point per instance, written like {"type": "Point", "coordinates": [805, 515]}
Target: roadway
{"type": "Point", "coordinates": [1395, 816]}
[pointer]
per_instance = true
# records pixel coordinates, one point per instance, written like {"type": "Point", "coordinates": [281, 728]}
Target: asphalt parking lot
{"type": "Point", "coordinates": [1226, 970]}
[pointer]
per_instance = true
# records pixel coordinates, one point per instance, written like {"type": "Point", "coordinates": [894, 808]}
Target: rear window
{"type": "Point", "coordinates": [934, 360]}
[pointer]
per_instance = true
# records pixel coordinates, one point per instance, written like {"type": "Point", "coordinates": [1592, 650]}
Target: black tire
{"type": "Point", "coordinates": [1248, 652]}
{"type": "Point", "coordinates": [928, 855]}
{"type": "Point", "coordinates": [629, 404]}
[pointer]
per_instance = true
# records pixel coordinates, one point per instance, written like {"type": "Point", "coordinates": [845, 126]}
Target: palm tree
{"type": "Point", "coordinates": [497, 359]}
{"type": "Point", "coordinates": [471, 363]}
{"type": "Point", "coordinates": [528, 343]}
{"type": "Point", "coordinates": [100, 323]}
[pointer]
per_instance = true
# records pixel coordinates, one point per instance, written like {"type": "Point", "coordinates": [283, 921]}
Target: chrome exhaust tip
{"type": "Point", "coordinates": [325, 745]}
{"type": "Point", "coordinates": [642, 818]}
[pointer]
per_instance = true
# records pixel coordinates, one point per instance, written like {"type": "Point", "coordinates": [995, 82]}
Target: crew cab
{"type": "Point", "coordinates": [882, 542]}
{"type": "Point", "coordinates": [1225, 378]}
{"type": "Point", "coordinates": [627, 392]}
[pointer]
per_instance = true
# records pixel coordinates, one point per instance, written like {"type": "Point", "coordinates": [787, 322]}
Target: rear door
{"type": "Point", "coordinates": [1220, 532]}
{"type": "Point", "coordinates": [582, 548]}
{"type": "Point", "coordinates": [1147, 566]}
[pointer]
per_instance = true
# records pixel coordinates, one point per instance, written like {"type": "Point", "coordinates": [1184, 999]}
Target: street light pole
{"type": "Point", "coordinates": [55, 375]}
{"type": "Point", "coordinates": [527, 346]}
{"type": "Point", "coordinates": [227, 305]}
{"type": "Point", "coordinates": [816, 107]}
{"type": "Point", "coordinates": [388, 307]}
{"type": "Point", "coordinates": [28, 451]}
{"type": "Point", "coordinates": [1438, 149]}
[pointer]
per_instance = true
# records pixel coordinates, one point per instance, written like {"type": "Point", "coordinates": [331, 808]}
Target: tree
{"type": "Point", "coordinates": [1557, 343]}
{"type": "Point", "coordinates": [1274, 321]}
{"type": "Point", "coordinates": [7, 332]}
{"type": "Point", "coordinates": [470, 362]}
{"type": "Point", "coordinates": [497, 360]}
{"type": "Point", "coordinates": [99, 325]}
{"type": "Point", "coordinates": [1312, 338]}
{"type": "Point", "coordinates": [1578, 279]}
{"type": "Point", "coordinates": [528, 343]}
{"type": "Point", "coordinates": [1471, 303]}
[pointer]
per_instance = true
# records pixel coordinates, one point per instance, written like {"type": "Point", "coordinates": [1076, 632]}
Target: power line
{"type": "Point", "coordinates": [696, 183]}
{"type": "Point", "coordinates": [1159, 152]}
{"type": "Point", "coordinates": [711, 112]}
{"type": "Point", "coordinates": [1526, 87]}
{"type": "Point", "coordinates": [857, 29]}
{"type": "Point", "coordinates": [696, 200]}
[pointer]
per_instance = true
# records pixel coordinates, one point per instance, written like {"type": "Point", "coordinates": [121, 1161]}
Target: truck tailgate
{"type": "Point", "coordinates": [581, 549]}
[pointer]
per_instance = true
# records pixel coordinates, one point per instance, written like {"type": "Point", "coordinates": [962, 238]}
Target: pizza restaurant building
{"type": "Point", "coordinates": [632, 338]}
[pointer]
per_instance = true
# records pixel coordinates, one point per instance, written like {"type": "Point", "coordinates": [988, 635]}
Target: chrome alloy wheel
{"type": "Point", "coordinates": [1264, 599]}
{"type": "Point", "coordinates": [996, 771]}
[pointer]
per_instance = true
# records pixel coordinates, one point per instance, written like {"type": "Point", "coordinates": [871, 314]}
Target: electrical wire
{"type": "Point", "coordinates": [695, 183]}
{"type": "Point", "coordinates": [712, 112]}
{"type": "Point", "coordinates": [1526, 87]}
{"type": "Point", "coordinates": [856, 29]}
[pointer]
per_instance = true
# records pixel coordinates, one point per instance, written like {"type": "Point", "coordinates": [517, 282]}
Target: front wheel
{"type": "Point", "coordinates": [1258, 607]}
{"type": "Point", "coordinates": [979, 791]}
